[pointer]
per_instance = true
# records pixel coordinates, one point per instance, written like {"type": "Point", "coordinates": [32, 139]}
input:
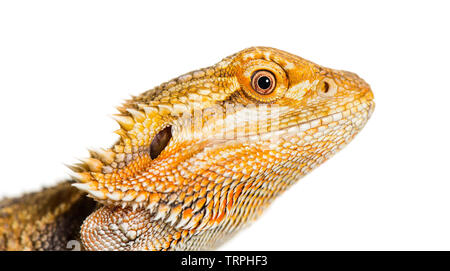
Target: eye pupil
{"type": "Point", "coordinates": [264, 82]}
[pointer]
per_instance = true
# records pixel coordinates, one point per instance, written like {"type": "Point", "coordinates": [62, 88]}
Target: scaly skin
{"type": "Point", "coordinates": [46, 220]}
{"type": "Point", "coordinates": [233, 148]}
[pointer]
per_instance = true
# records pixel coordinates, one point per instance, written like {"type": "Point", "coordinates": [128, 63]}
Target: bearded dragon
{"type": "Point", "coordinates": [199, 157]}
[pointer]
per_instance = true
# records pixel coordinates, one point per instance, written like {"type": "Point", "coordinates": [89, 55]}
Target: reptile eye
{"type": "Point", "coordinates": [263, 82]}
{"type": "Point", "coordinates": [160, 141]}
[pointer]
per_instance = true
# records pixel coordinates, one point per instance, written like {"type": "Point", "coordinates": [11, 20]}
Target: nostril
{"type": "Point", "coordinates": [327, 88]}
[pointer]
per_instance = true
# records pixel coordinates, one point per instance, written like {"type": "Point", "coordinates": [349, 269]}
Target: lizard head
{"type": "Point", "coordinates": [214, 146]}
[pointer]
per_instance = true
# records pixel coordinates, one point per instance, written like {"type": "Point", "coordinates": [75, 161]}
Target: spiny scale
{"type": "Point", "coordinates": [125, 122]}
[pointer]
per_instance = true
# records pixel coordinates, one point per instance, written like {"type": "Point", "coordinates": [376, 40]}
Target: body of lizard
{"type": "Point", "coordinates": [198, 158]}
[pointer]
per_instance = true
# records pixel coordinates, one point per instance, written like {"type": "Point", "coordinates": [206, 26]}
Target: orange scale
{"type": "Point", "coordinates": [97, 175]}
{"type": "Point", "coordinates": [171, 188]}
{"type": "Point", "coordinates": [188, 200]}
{"type": "Point", "coordinates": [229, 200]}
{"type": "Point", "coordinates": [197, 187]}
{"type": "Point", "coordinates": [176, 236]}
{"type": "Point", "coordinates": [237, 191]}
{"type": "Point", "coordinates": [187, 214]}
{"type": "Point", "coordinates": [210, 223]}
{"type": "Point", "coordinates": [159, 186]}
{"type": "Point", "coordinates": [195, 220]}
{"type": "Point", "coordinates": [210, 186]}
{"type": "Point", "coordinates": [238, 175]}
{"type": "Point", "coordinates": [202, 192]}
{"type": "Point", "coordinates": [154, 198]}
{"type": "Point", "coordinates": [212, 176]}
{"type": "Point", "coordinates": [149, 186]}
{"type": "Point", "coordinates": [215, 210]}
{"type": "Point", "coordinates": [200, 203]}
{"type": "Point", "coordinates": [189, 190]}
{"type": "Point", "coordinates": [217, 188]}
{"type": "Point", "coordinates": [204, 178]}
{"type": "Point", "coordinates": [248, 186]}
{"type": "Point", "coordinates": [181, 196]}
{"type": "Point", "coordinates": [206, 174]}
{"type": "Point", "coordinates": [220, 217]}
{"type": "Point", "coordinates": [187, 180]}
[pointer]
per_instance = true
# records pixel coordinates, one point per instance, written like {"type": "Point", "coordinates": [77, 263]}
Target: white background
{"type": "Point", "coordinates": [64, 66]}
